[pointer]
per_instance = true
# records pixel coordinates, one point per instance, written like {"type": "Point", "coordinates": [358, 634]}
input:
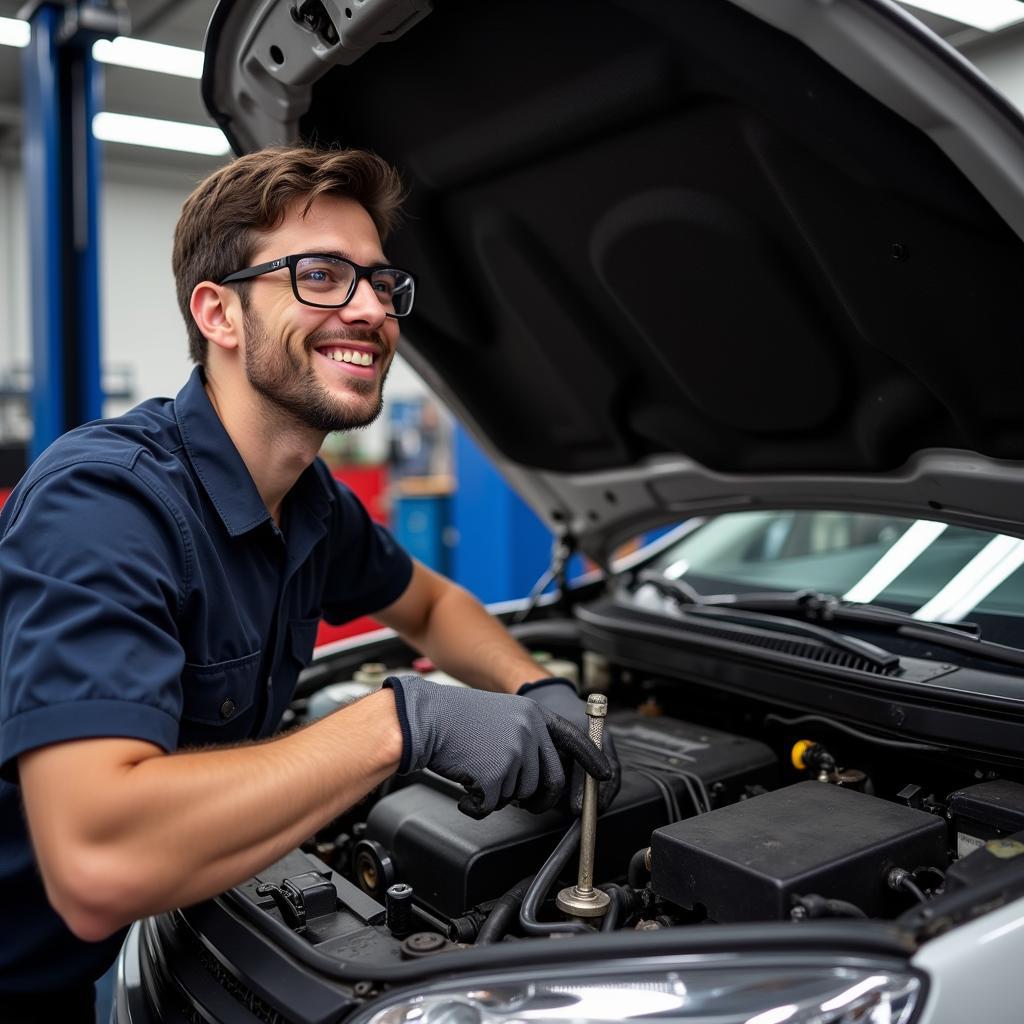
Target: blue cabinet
{"type": "Point", "coordinates": [501, 548]}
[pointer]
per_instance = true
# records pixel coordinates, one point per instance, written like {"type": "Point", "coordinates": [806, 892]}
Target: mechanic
{"type": "Point", "coordinates": [162, 575]}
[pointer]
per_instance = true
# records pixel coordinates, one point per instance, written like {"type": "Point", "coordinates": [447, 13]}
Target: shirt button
{"type": "Point", "coordinates": [227, 709]}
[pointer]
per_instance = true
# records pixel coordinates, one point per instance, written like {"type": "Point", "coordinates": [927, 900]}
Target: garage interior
{"type": "Point", "coordinates": [417, 469]}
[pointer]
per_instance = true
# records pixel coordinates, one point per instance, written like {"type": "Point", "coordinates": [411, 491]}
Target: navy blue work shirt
{"type": "Point", "coordinates": [146, 592]}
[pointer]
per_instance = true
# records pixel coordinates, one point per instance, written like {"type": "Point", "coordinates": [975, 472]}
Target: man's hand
{"type": "Point", "coordinates": [559, 695]}
{"type": "Point", "coordinates": [500, 747]}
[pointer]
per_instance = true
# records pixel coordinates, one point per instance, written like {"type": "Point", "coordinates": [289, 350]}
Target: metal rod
{"type": "Point", "coordinates": [583, 900]}
{"type": "Point", "coordinates": [597, 708]}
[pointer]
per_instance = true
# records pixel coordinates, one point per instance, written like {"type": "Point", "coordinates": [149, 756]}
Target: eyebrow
{"type": "Point", "coordinates": [341, 254]}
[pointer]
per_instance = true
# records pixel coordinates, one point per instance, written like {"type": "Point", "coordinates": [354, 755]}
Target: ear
{"type": "Point", "coordinates": [217, 313]}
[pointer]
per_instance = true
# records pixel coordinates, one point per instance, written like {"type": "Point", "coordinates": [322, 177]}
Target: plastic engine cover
{"type": "Point", "coordinates": [454, 863]}
{"type": "Point", "coordinates": [745, 862]}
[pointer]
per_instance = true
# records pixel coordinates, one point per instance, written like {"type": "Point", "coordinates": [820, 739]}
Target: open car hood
{"type": "Point", "coordinates": [682, 257]}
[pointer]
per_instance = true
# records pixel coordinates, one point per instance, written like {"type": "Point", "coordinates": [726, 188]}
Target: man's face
{"type": "Point", "coordinates": [293, 352]}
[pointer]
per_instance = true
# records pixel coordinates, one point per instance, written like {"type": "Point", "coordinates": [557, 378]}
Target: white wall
{"type": "Point", "coordinates": [141, 326]}
{"type": "Point", "coordinates": [140, 323]}
{"type": "Point", "coordinates": [14, 345]}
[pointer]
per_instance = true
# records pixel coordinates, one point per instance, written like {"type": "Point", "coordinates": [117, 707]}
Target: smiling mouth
{"type": "Point", "coordinates": [353, 356]}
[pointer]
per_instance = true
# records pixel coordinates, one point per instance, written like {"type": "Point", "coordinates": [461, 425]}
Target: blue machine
{"type": "Point", "coordinates": [422, 527]}
{"type": "Point", "coordinates": [502, 547]}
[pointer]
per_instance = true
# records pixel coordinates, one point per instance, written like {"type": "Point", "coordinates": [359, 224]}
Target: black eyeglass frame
{"type": "Point", "coordinates": [291, 262]}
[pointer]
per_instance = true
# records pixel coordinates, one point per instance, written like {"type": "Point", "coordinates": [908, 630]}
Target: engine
{"type": "Point", "coordinates": [417, 835]}
{"type": "Point", "coordinates": [711, 826]}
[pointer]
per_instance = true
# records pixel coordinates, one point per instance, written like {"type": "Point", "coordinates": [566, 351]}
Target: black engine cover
{"type": "Point", "coordinates": [455, 863]}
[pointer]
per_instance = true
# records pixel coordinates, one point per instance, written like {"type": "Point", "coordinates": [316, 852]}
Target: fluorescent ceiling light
{"type": "Point", "coordinates": [989, 15]}
{"type": "Point", "coordinates": [148, 131]}
{"type": "Point", "coordinates": [975, 581]}
{"type": "Point", "coordinates": [14, 32]}
{"type": "Point", "coordinates": [137, 53]}
{"type": "Point", "coordinates": [123, 51]}
{"type": "Point", "coordinates": [913, 542]}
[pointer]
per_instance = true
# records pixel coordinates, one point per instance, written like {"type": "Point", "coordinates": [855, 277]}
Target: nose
{"type": "Point", "coordinates": [364, 308]}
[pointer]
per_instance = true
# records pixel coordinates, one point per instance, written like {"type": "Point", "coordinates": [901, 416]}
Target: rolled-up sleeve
{"type": "Point", "coordinates": [94, 567]}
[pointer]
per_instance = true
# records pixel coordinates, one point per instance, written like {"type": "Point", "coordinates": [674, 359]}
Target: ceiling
{"type": "Point", "coordinates": [183, 23]}
{"type": "Point", "coordinates": [128, 91]}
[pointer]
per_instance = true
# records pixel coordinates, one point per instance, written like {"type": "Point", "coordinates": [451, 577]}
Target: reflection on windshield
{"type": "Point", "coordinates": [939, 572]}
{"type": "Point", "coordinates": [895, 561]}
{"type": "Point", "coordinates": [1001, 557]}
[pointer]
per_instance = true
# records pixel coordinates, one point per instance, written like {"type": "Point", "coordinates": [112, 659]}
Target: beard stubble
{"type": "Point", "coordinates": [289, 381]}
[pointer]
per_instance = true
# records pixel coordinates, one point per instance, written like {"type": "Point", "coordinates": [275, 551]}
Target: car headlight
{"type": "Point", "coordinates": [736, 994]}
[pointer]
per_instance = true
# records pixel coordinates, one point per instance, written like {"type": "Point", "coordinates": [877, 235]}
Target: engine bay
{"type": "Point", "coordinates": [730, 812]}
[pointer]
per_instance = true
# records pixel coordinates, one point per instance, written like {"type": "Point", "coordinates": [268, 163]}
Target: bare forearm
{"type": "Point", "coordinates": [464, 640]}
{"type": "Point", "coordinates": [171, 830]}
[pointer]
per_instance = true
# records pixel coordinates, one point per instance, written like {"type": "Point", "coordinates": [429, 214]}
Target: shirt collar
{"type": "Point", "coordinates": [221, 470]}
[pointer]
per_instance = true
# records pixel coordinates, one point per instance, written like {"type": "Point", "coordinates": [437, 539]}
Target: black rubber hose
{"type": "Point", "coordinates": [637, 870]}
{"type": "Point", "coordinates": [494, 928]}
{"type": "Point", "coordinates": [849, 730]}
{"type": "Point", "coordinates": [540, 885]}
{"type": "Point", "coordinates": [672, 812]}
{"type": "Point", "coordinates": [614, 912]}
{"type": "Point", "coordinates": [840, 908]}
{"type": "Point", "coordinates": [818, 906]}
{"type": "Point", "coordinates": [909, 885]}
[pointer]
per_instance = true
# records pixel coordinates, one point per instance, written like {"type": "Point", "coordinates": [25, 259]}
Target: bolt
{"type": "Point", "coordinates": [398, 905]}
{"type": "Point", "coordinates": [597, 709]}
{"type": "Point", "coordinates": [423, 944]}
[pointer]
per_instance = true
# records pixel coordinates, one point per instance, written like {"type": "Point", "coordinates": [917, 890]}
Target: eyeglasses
{"type": "Point", "coordinates": [329, 282]}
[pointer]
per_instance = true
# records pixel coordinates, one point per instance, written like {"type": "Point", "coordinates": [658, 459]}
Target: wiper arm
{"type": "Point", "coordinates": [874, 655]}
{"type": "Point", "coordinates": [827, 608]}
{"type": "Point", "coordinates": [726, 609]}
{"type": "Point", "coordinates": [958, 636]}
{"type": "Point", "coordinates": [677, 590]}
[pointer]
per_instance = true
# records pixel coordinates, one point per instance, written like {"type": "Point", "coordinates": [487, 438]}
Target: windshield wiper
{"type": "Point", "coordinates": [827, 608]}
{"type": "Point", "coordinates": [736, 611]}
{"type": "Point", "coordinates": [958, 636]}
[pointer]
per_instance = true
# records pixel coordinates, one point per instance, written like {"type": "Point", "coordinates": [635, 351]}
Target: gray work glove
{"type": "Point", "coordinates": [559, 695]}
{"type": "Point", "coordinates": [499, 746]}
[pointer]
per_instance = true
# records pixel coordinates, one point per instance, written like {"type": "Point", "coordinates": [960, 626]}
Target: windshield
{"type": "Point", "coordinates": [937, 572]}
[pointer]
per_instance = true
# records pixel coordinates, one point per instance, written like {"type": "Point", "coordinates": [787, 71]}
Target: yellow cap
{"type": "Point", "coordinates": [796, 755]}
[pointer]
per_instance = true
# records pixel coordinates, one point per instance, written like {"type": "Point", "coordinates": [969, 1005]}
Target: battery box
{"type": "Point", "coordinates": [746, 862]}
{"type": "Point", "coordinates": [989, 810]}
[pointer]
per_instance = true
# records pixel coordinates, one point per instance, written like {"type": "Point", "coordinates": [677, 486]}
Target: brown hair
{"type": "Point", "coordinates": [221, 220]}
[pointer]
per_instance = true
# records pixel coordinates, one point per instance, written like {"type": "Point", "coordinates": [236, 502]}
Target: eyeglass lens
{"type": "Point", "coordinates": [330, 282]}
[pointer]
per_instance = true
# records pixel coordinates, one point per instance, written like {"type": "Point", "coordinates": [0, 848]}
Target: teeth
{"type": "Point", "coordinates": [348, 356]}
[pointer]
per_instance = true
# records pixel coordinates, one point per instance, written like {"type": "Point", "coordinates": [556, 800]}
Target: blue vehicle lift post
{"type": "Point", "coordinates": [62, 88]}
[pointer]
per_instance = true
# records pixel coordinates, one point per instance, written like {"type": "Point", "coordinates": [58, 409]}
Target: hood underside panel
{"type": "Point", "coordinates": [659, 227]}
